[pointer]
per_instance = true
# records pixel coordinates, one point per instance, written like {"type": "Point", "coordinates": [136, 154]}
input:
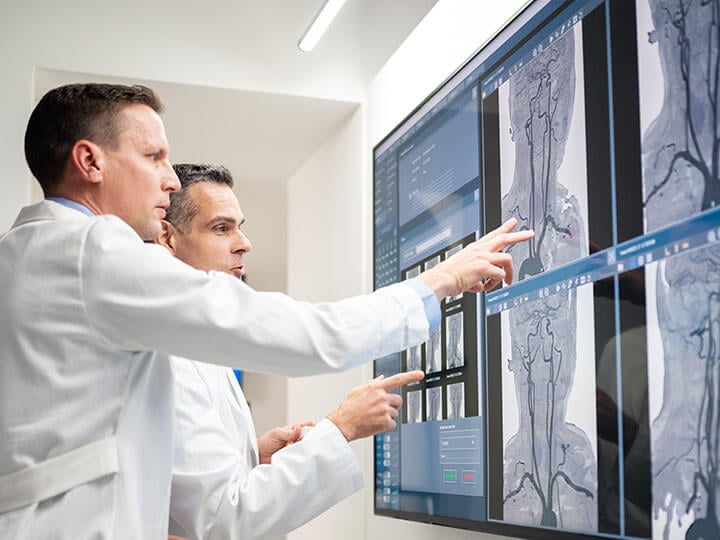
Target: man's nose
{"type": "Point", "coordinates": [171, 182]}
{"type": "Point", "coordinates": [242, 243]}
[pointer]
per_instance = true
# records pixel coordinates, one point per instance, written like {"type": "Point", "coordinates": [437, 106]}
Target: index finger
{"type": "Point", "coordinates": [506, 227]}
{"type": "Point", "coordinates": [399, 379]}
{"type": "Point", "coordinates": [503, 240]}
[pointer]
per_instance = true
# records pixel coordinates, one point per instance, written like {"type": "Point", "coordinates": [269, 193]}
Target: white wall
{"type": "Point", "coordinates": [326, 261]}
{"type": "Point", "coordinates": [265, 209]}
{"type": "Point", "coordinates": [329, 223]}
{"type": "Point", "coordinates": [134, 39]}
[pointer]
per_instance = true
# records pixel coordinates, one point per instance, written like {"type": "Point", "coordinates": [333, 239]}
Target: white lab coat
{"type": "Point", "coordinates": [218, 489]}
{"type": "Point", "coordinates": [90, 314]}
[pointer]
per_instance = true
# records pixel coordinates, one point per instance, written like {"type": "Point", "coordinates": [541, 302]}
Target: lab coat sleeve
{"type": "Point", "coordinates": [138, 297]}
{"type": "Point", "coordinates": [217, 494]}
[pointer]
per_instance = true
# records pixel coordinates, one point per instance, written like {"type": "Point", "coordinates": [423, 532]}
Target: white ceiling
{"type": "Point", "coordinates": [266, 107]}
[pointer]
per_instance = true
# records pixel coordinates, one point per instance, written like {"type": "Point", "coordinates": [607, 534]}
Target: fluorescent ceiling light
{"type": "Point", "coordinates": [321, 22]}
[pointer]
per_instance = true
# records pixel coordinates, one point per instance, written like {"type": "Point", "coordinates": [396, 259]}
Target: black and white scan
{"type": "Point", "coordinates": [678, 44]}
{"type": "Point", "coordinates": [433, 262]}
{"type": "Point", "coordinates": [414, 358]}
{"type": "Point", "coordinates": [414, 407]}
{"type": "Point", "coordinates": [550, 470]}
{"type": "Point", "coordinates": [456, 400]}
{"type": "Point", "coordinates": [454, 340]}
{"type": "Point", "coordinates": [433, 353]}
{"type": "Point", "coordinates": [433, 400]}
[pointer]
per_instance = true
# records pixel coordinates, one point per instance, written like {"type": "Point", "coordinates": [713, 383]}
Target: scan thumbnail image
{"type": "Point", "coordinates": [412, 272]}
{"type": "Point", "coordinates": [433, 353]}
{"type": "Point", "coordinates": [431, 263]}
{"type": "Point", "coordinates": [454, 340]}
{"type": "Point", "coordinates": [413, 355]}
{"type": "Point", "coordinates": [456, 400]}
{"type": "Point", "coordinates": [678, 59]}
{"type": "Point", "coordinates": [549, 425]}
{"type": "Point", "coordinates": [414, 358]}
{"type": "Point", "coordinates": [683, 325]}
{"type": "Point", "coordinates": [414, 407]}
{"type": "Point", "coordinates": [543, 165]}
{"type": "Point", "coordinates": [433, 401]}
{"type": "Point", "coordinates": [433, 360]}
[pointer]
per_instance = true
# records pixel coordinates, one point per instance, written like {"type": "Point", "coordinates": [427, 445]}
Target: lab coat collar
{"type": "Point", "coordinates": [46, 210]}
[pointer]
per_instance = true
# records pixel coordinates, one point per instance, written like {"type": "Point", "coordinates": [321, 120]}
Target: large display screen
{"type": "Point", "coordinates": [583, 400]}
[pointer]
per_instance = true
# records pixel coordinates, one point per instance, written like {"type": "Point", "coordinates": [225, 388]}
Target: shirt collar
{"type": "Point", "coordinates": [72, 204]}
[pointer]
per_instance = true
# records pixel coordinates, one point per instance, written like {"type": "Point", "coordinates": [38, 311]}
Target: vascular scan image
{"type": "Point", "coordinates": [456, 400]}
{"type": "Point", "coordinates": [550, 470]}
{"type": "Point", "coordinates": [433, 353]}
{"type": "Point", "coordinates": [414, 407]}
{"type": "Point", "coordinates": [412, 272]}
{"type": "Point", "coordinates": [454, 340]}
{"type": "Point", "coordinates": [432, 262]}
{"type": "Point", "coordinates": [433, 399]}
{"type": "Point", "coordinates": [549, 427]}
{"type": "Point", "coordinates": [414, 358]}
{"type": "Point", "coordinates": [542, 156]}
{"type": "Point", "coordinates": [678, 44]}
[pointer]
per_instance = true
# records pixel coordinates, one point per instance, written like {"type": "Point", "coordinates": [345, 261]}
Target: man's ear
{"type": "Point", "coordinates": [88, 159]}
{"type": "Point", "coordinates": [167, 236]}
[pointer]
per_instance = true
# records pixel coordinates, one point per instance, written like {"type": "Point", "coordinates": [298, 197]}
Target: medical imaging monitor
{"type": "Point", "coordinates": [583, 399]}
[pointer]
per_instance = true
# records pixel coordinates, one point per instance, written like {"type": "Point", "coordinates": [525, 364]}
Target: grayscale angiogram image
{"type": "Point", "coordinates": [550, 471]}
{"type": "Point", "coordinates": [433, 354]}
{"type": "Point", "coordinates": [414, 407]}
{"type": "Point", "coordinates": [433, 400]}
{"type": "Point", "coordinates": [432, 262]}
{"type": "Point", "coordinates": [543, 166]}
{"type": "Point", "coordinates": [414, 358]}
{"type": "Point", "coordinates": [454, 340]}
{"type": "Point", "coordinates": [679, 44]}
{"type": "Point", "coordinates": [412, 272]}
{"type": "Point", "coordinates": [414, 355]}
{"type": "Point", "coordinates": [456, 400]}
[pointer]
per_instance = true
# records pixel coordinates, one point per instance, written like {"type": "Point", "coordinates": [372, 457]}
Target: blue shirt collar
{"type": "Point", "coordinates": [72, 204]}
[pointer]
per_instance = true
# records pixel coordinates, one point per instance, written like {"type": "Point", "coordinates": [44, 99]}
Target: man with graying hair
{"type": "Point", "coordinates": [226, 481]}
{"type": "Point", "coordinates": [92, 314]}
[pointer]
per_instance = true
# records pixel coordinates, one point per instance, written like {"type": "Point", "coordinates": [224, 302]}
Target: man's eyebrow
{"type": "Point", "coordinates": [223, 219]}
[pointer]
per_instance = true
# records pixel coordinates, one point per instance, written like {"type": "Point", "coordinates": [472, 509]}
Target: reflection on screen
{"type": "Point", "coordinates": [582, 400]}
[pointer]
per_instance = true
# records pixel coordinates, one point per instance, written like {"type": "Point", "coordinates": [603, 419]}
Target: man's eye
{"type": "Point", "coordinates": [221, 228]}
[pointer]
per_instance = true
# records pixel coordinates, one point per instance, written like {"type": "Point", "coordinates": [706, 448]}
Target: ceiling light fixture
{"type": "Point", "coordinates": [320, 23]}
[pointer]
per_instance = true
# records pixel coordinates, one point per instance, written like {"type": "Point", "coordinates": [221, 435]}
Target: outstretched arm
{"type": "Point", "coordinates": [163, 305]}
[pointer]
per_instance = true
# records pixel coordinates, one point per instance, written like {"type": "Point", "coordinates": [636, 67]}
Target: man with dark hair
{"type": "Point", "coordinates": [90, 112]}
{"type": "Point", "coordinates": [76, 124]}
{"type": "Point", "coordinates": [182, 209]}
{"type": "Point", "coordinates": [228, 482]}
{"type": "Point", "coordinates": [92, 312]}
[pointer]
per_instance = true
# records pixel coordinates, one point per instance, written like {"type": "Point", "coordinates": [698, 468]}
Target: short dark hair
{"type": "Point", "coordinates": [182, 209]}
{"type": "Point", "coordinates": [73, 112]}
